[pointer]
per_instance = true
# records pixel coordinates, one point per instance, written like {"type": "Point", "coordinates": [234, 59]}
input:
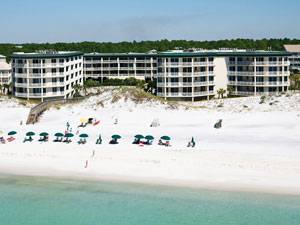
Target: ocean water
{"type": "Point", "coordinates": [45, 201]}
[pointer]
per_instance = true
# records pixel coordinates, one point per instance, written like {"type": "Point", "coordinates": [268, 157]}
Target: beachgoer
{"type": "Point", "coordinates": [86, 163]}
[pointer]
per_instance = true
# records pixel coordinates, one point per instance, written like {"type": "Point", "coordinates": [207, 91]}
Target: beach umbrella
{"type": "Point", "coordinates": [116, 136]}
{"type": "Point", "coordinates": [44, 134]}
{"type": "Point", "coordinates": [11, 133]}
{"type": "Point", "coordinates": [165, 138]}
{"type": "Point", "coordinates": [149, 137]}
{"type": "Point", "coordinates": [30, 133]}
{"type": "Point", "coordinates": [83, 135]}
{"type": "Point", "coordinates": [59, 135]}
{"type": "Point", "coordinates": [139, 136]}
{"type": "Point", "coordinates": [69, 135]}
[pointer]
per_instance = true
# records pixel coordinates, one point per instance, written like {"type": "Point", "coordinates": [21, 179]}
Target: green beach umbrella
{"type": "Point", "coordinates": [30, 133]}
{"type": "Point", "coordinates": [44, 134]}
{"type": "Point", "coordinates": [149, 137]}
{"type": "Point", "coordinates": [165, 138]}
{"type": "Point", "coordinates": [116, 136]}
{"type": "Point", "coordinates": [139, 136]}
{"type": "Point", "coordinates": [69, 135]}
{"type": "Point", "coordinates": [83, 135]}
{"type": "Point", "coordinates": [11, 133]}
{"type": "Point", "coordinates": [59, 135]}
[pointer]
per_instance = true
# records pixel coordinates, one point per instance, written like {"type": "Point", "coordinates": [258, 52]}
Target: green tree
{"type": "Point", "coordinates": [221, 93]}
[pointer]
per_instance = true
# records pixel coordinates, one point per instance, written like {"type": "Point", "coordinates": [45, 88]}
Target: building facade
{"type": "Point", "coordinates": [186, 76]}
{"type": "Point", "coordinates": [46, 74]}
{"type": "Point", "coordinates": [5, 71]}
{"type": "Point", "coordinates": [258, 73]}
{"type": "Point", "coordinates": [120, 65]}
{"type": "Point", "coordinates": [178, 74]}
{"type": "Point", "coordinates": [200, 75]}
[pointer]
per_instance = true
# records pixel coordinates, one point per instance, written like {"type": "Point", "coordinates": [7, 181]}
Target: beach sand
{"type": "Point", "coordinates": [257, 149]}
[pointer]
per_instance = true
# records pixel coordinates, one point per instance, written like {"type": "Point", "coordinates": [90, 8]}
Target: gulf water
{"type": "Point", "coordinates": [45, 201]}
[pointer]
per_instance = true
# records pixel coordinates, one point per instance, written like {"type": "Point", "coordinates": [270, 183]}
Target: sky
{"type": "Point", "coordinates": [28, 21]}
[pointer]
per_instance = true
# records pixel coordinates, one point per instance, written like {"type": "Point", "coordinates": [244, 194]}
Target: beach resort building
{"type": "Point", "coordinates": [295, 56]}
{"type": "Point", "coordinates": [195, 75]}
{"type": "Point", "coordinates": [198, 75]}
{"type": "Point", "coordinates": [46, 74]}
{"type": "Point", "coordinates": [120, 65]}
{"type": "Point", "coordinates": [5, 71]}
{"type": "Point", "coordinates": [182, 75]}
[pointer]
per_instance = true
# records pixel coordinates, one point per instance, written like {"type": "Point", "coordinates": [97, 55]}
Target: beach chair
{"type": "Point", "coordinates": [218, 124]}
{"type": "Point", "coordinates": [114, 142]}
{"type": "Point", "coordinates": [10, 139]}
{"type": "Point", "coordinates": [136, 141]}
{"type": "Point", "coordinates": [28, 139]}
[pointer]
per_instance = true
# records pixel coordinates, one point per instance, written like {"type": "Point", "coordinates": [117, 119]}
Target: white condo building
{"type": "Point", "coordinates": [120, 65]}
{"type": "Point", "coordinates": [5, 71]}
{"type": "Point", "coordinates": [181, 75]}
{"type": "Point", "coordinates": [46, 74]}
{"type": "Point", "coordinates": [199, 74]}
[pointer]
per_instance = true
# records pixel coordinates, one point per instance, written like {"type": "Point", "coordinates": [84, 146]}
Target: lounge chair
{"type": "Point", "coordinates": [10, 139]}
{"type": "Point", "coordinates": [114, 142]}
{"type": "Point", "coordinates": [136, 141]}
{"type": "Point", "coordinates": [218, 124]}
{"type": "Point", "coordinates": [28, 139]}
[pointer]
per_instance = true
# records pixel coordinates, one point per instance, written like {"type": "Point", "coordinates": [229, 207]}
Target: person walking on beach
{"type": "Point", "coordinates": [86, 164]}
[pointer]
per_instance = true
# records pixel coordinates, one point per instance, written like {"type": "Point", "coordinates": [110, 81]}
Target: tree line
{"type": "Point", "coordinates": [145, 46]}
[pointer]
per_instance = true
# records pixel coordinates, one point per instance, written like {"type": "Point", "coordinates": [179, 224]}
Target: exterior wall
{"type": "Point", "coordinates": [221, 71]}
{"type": "Point", "coordinates": [258, 75]}
{"type": "Point", "coordinates": [187, 78]}
{"type": "Point", "coordinates": [45, 78]}
{"type": "Point", "coordinates": [179, 75]}
{"type": "Point", "coordinates": [5, 71]}
{"type": "Point", "coordinates": [99, 66]}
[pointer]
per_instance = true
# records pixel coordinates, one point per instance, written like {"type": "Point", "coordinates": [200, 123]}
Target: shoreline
{"type": "Point", "coordinates": [65, 176]}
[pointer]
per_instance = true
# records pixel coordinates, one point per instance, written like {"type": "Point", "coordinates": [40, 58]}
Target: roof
{"type": "Point", "coordinates": [46, 54]}
{"type": "Point", "coordinates": [4, 65]}
{"type": "Point", "coordinates": [134, 54]}
{"type": "Point", "coordinates": [194, 54]}
{"type": "Point", "coordinates": [292, 48]}
{"type": "Point", "coordinates": [224, 54]}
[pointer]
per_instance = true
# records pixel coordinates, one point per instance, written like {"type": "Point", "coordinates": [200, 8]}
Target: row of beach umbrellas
{"type": "Point", "coordinates": [70, 135]}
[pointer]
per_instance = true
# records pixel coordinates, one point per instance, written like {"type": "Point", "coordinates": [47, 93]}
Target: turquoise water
{"type": "Point", "coordinates": [41, 201]}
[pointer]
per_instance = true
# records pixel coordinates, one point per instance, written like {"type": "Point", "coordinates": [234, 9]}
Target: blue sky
{"type": "Point", "coordinates": [126, 20]}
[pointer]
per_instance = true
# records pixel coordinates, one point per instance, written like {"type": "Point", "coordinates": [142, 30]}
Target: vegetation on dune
{"type": "Point", "coordinates": [145, 46]}
{"type": "Point", "coordinates": [295, 81]}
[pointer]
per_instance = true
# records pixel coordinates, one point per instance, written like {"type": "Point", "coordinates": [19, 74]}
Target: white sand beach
{"type": "Point", "coordinates": [257, 148]}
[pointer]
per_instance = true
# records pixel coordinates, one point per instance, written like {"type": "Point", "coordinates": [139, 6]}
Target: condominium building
{"type": "Point", "coordinates": [5, 71]}
{"type": "Point", "coordinates": [46, 74]}
{"type": "Point", "coordinates": [199, 75]}
{"type": "Point", "coordinates": [187, 75]}
{"type": "Point", "coordinates": [257, 73]}
{"type": "Point", "coordinates": [182, 75]}
{"type": "Point", "coordinates": [120, 65]}
{"type": "Point", "coordinates": [295, 56]}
